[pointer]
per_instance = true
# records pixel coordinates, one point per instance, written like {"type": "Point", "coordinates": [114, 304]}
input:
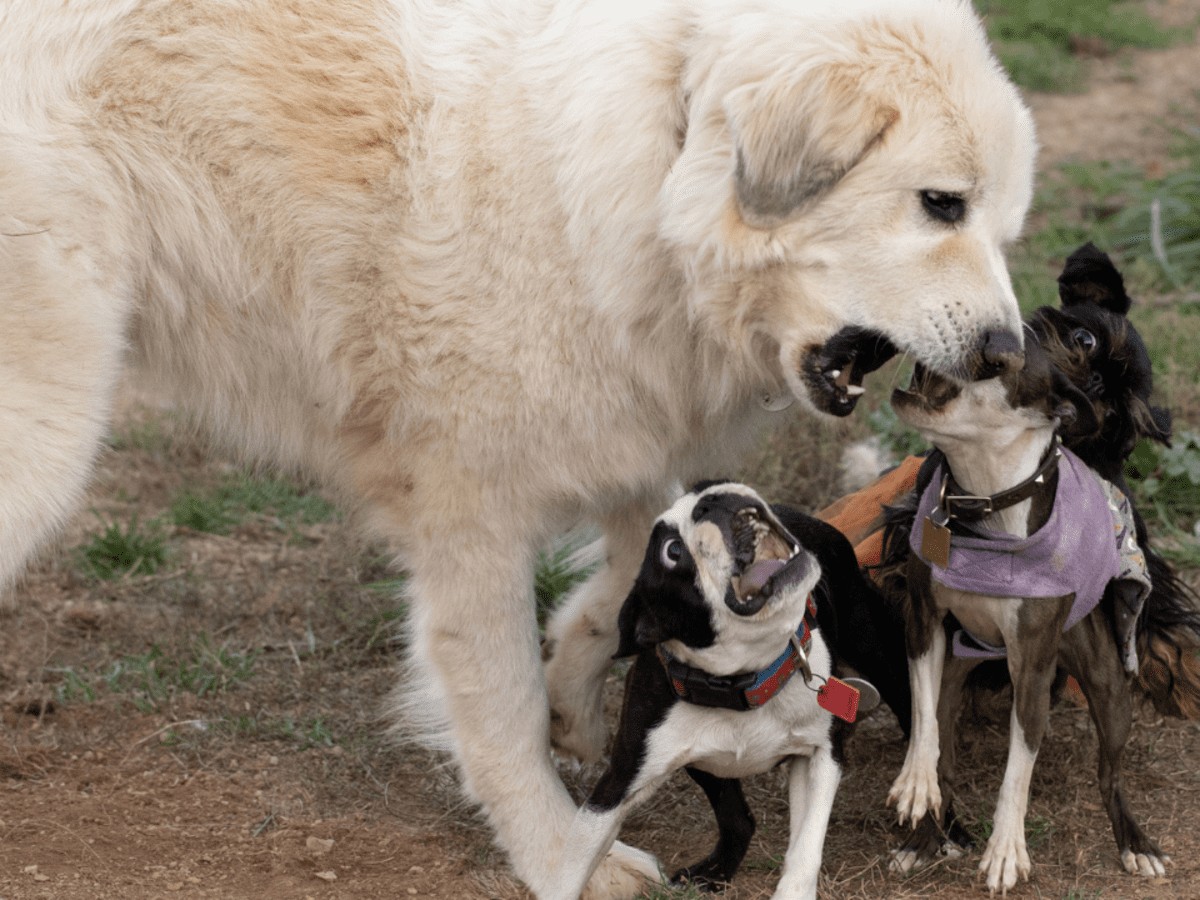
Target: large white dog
{"type": "Point", "coordinates": [486, 268]}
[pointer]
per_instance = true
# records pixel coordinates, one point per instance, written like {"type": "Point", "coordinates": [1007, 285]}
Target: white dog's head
{"type": "Point", "coordinates": [850, 176]}
{"type": "Point", "coordinates": [723, 583]}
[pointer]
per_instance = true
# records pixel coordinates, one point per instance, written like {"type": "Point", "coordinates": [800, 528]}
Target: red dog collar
{"type": "Point", "coordinates": [748, 690]}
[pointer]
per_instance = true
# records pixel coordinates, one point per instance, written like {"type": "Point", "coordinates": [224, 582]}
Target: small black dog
{"type": "Point", "coordinates": [732, 620]}
{"type": "Point", "coordinates": [1087, 370]}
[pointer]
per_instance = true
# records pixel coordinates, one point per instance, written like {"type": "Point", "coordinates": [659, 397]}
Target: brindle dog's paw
{"type": "Point", "coordinates": [1147, 863]}
{"type": "Point", "coordinates": [928, 843]}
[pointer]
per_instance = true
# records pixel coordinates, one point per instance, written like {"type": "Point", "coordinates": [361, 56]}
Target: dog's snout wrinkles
{"type": "Point", "coordinates": [999, 352]}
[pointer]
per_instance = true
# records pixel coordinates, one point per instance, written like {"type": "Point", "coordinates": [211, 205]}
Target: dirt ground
{"type": "Point", "coordinates": [276, 779]}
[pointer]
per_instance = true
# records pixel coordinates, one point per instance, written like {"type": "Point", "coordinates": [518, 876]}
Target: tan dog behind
{"type": "Point", "coordinates": [487, 269]}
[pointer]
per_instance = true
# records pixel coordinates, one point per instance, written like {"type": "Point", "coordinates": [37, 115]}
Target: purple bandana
{"type": "Point", "coordinates": [1083, 546]}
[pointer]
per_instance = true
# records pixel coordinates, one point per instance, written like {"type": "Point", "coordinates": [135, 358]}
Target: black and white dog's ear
{"type": "Point", "coordinates": [701, 486]}
{"type": "Point", "coordinates": [1089, 276]}
{"type": "Point", "coordinates": [636, 626]}
{"type": "Point", "coordinates": [1071, 405]}
{"type": "Point", "coordinates": [796, 137]}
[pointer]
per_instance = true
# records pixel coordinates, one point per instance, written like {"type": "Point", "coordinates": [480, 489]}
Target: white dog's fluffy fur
{"type": "Point", "coordinates": [485, 268]}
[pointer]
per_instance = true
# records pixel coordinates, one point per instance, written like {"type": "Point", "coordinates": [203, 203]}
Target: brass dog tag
{"type": "Point", "coordinates": [935, 542]}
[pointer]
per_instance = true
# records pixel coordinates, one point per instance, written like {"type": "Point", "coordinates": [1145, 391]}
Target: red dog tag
{"type": "Point", "coordinates": [838, 698]}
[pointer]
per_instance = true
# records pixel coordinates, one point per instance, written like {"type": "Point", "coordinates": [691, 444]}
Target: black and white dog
{"type": "Point", "coordinates": [1000, 491]}
{"type": "Point", "coordinates": [733, 675]}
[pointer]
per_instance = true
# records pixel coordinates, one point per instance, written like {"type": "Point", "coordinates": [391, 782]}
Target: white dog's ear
{"type": "Point", "coordinates": [795, 138]}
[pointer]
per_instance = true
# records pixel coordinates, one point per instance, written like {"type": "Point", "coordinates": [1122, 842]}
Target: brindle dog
{"type": "Point", "coordinates": [1088, 372]}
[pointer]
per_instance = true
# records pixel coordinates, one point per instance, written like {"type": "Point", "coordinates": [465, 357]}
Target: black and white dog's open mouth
{"type": "Point", "coordinates": [766, 559]}
{"type": "Point", "coordinates": [834, 371]}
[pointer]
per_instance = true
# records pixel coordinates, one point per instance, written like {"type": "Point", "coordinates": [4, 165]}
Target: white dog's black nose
{"type": "Point", "coordinates": [999, 352]}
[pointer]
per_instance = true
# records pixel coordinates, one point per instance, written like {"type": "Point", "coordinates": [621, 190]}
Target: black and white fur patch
{"type": "Point", "coordinates": [723, 587]}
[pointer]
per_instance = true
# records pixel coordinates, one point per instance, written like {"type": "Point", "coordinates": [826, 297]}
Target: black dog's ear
{"type": "Point", "coordinates": [1071, 405]}
{"type": "Point", "coordinates": [1090, 277]}
{"type": "Point", "coordinates": [636, 628]}
{"type": "Point", "coordinates": [1158, 426]}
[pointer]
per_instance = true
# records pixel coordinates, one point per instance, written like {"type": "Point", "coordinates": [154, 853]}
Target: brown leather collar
{"type": "Point", "coordinates": [960, 506]}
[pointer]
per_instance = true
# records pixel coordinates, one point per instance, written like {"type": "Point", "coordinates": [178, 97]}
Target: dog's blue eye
{"type": "Point", "coordinates": [944, 207]}
{"type": "Point", "coordinates": [1084, 338]}
{"type": "Point", "coordinates": [671, 553]}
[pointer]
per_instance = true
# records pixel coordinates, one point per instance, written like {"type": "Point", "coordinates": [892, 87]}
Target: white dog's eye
{"type": "Point", "coordinates": [671, 553]}
{"type": "Point", "coordinates": [944, 207]}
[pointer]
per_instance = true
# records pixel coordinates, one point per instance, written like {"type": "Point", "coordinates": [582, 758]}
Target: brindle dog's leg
{"type": "Point", "coordinates": [940, 832]}
{"type": "Point", "coordinates": [1032, 656]}
{"type": "Point", "coordinates": [1090, 654]}
{"type": "Point", "coordinates": [735, 827]}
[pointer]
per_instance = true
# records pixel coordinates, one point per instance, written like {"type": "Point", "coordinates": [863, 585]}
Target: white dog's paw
{"type": "Point", "coordinates": [915, 792]}
{"type": "Point", "coordinates": [1005, 860]}
{"type": "Point", "coordinates": [623, 874]}
{"type": "Point", "coordinates": [1148, 865]}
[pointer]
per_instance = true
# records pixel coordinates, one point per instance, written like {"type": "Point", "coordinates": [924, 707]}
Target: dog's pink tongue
{"type": "Point", "coordinates": [760, 573]}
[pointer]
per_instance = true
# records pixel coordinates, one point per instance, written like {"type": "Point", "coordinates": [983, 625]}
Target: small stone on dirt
{"type": "Point", "coordinates": [318, 846]}
{"type": "Point", "coordinates": [327, 876]}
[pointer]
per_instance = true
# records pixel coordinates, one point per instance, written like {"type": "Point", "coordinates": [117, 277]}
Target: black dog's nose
{"type": "Point", "coordinates": [999, 352]}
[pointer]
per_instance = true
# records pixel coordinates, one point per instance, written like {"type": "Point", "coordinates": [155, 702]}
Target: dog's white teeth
{"type": "Point", "coordinates": [855, 390]}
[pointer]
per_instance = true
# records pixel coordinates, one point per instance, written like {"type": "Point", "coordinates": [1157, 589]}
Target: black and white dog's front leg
{"type": "Point", "coordinates": [735, 827]}
{"type": "Point", "coordinates": [812, 782]}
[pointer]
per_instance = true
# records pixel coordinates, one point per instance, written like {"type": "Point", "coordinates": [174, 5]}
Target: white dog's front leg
{"type": "Point", "coordinates": [475, 640]}
{"type": "Point", "coordinates": [915, 790]}
{"type": "Point", "coordinates": [812, 786]}
{"type": "Point", "coordinates": [592, 833]}
{"type": "Point", "coordinates": [581, 636]}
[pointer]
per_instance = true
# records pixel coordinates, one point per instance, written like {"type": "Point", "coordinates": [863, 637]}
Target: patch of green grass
{"type": "Point", "coordinates": [1040, 43]}
{"type": "Point", "coordinates": [1113, 206]}
{"type": "Point", "coordinates": [152, 678]}
{"type": "Point", "coordinates": [557, 571]}
{"type": "Point", "coordinates": [149, 435]}
{"type": "Point", "coordinates": [275, 496]}
{"type": "Point", "coordinates": [118, 551]}
{"type": "Point", "coordinates": [202, 513]}
{"type": "Point", "coordinates": [1038, 830]}
{"type": "Point", "coordinates": [1074, 204]}
{"type": "Point", "coordinates": [896, 437]}
{"type": "Point", "coordinates": [220, 509]}
{"type": "Point", "coordinates": [149, 680]}
{"type": "Point", "coordinates": [74, 688]}
{"type": "Point", "coordinates": [1167, 479]}
{"type": "Point", "coordinates": [305, 733]}
{"type": "Point", "coordinates": [1160, 227]}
